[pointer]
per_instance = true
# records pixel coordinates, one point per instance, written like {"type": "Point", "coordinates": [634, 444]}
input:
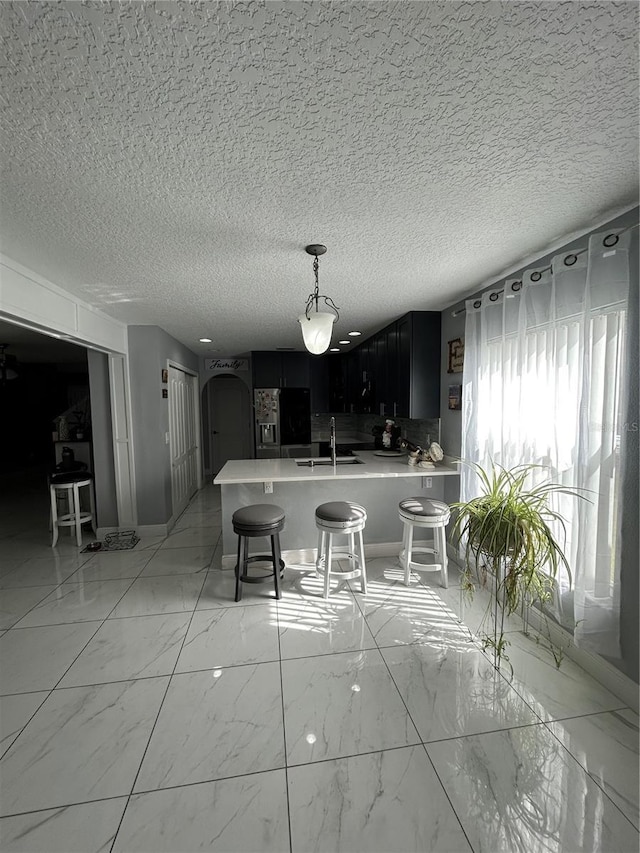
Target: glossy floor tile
{"type": "Point", "coordinates": [142, 709]}
{"type": "Point", "coordinates": [122, 649]}
{"type": "Point", "coordinates": [37, 658]}
{"type": "Point", "coordinates": [229, 636]}
{"type": "Point", "coordinates": [150, 596]}
{"type": "Point", "coordinates": [247, 814]}
{"type": "Point", "coordinates": [606, 745]}
{"type": "Point", "coordinates": [342, 704]}
{"type": "Point", "coordinates": [375, 802]}
{"type": "Point", "coordinates": [453, 690]}
{"type": "Point", "coordinates": [15, 713]}
{"type": "Point", "coordinates": [42, 571]}
{"type": "Point", "coordinates": [216, 723]}
{"type": "Point", "coordinates": [17, 602]}
{"type": "Point", "coordinates": [113, 566]}
{"type": "Point", "coordinates": [86, 828]}
{"type": "Point", "coordinates": [555, 692]}
{"type": "Point", "coordinates": [177, 561]}
{"type": "Point", "coordinates": [76, 601]}
{"type": "Point", "coordinates": [520, 791]}
{"type": "Point", "coordinates": [321, 627]}
{"type": "Point", "coordinates": [83, 743]}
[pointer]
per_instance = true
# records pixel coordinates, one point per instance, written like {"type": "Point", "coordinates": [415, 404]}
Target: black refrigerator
{"type": "Point", "coordinates": [283, 422]}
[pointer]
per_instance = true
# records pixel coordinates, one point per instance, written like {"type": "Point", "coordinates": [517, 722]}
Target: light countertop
{"type": "Point", "coordinates": [286, 470]}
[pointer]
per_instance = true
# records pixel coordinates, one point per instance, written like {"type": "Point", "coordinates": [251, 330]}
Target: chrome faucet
{"type": "Point", "coordinates": [332, 440]}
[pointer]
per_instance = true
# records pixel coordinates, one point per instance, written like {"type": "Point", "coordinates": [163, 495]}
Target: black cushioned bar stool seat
{"type": "Point", "coordinates": [254, 521]}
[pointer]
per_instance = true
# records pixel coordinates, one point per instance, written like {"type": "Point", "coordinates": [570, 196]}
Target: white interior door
{"type": "Point", "coordinates": [183, 441]}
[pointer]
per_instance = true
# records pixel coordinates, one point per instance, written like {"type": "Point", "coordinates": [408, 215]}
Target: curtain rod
{"type": "Point", "coordinates": [613, 238]}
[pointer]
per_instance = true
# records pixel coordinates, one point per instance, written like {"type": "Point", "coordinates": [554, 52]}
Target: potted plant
{"type": "Point", "coordinates": [507, 534]}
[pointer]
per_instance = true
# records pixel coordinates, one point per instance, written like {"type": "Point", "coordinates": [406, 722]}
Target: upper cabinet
{"type": "Point", "coordinates": [280, 369]}
{"type": "Point", "coordinates": [418, 365]}
{"type": "Point", "coordinates": [405, 371]}
{"type": "Point", "coordinates": [394, 373]}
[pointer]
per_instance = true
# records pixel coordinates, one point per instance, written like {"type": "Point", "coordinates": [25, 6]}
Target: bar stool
{"type": "Point", "coordinates": [347, 519]}
{"type": "Point", "coordinates": [253, 521]}
{"type": "Point", "coordinates": [68, 486]}
{"type": "Point", "coordinates": [434, 515]}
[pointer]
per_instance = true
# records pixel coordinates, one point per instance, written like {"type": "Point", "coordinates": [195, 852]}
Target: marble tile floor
{"type": "Point", "coordinates": [142, 709]}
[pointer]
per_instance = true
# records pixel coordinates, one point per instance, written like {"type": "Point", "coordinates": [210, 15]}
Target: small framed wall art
{"type": "Point", "coordinates": [455, 397]}
{"type": "Point", "coordinates": [456, 356]}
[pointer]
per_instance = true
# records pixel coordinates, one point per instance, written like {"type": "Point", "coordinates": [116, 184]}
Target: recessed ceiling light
{"type": "Point", "coordinates": [205, 340]}
{"type": "Point", "coordinates": [354, 334]}
{"type": "Point", "coordinates": [344, 342]}
{"type": "Point", "coordinates": [334, 349]}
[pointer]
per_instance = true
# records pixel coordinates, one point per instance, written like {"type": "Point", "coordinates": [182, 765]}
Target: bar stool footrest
{"type": "Point", "coordinates": [263, 558]}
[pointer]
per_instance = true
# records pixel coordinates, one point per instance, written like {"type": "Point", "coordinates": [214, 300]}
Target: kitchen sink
{"type": "Point", "coordinates": [326, 460]}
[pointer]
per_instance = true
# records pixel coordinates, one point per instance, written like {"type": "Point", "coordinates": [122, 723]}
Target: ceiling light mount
{"type": "Point", "coordinates": [317, 325]}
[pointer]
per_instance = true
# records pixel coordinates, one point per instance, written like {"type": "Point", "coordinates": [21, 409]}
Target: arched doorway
{"type": "Point", "coordinates": [228, 424]}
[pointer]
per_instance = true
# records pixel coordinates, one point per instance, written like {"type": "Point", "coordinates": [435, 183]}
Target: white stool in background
{"type": "Point", "coordinates": [433, 515]}
{"type": "Point", "coordinates": [69, 485]}
{"type": "Point", "coordinates": [346, 519]}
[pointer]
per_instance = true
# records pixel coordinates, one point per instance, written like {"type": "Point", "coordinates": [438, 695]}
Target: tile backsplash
{"type": "Point", "coordinates": [420, 432]}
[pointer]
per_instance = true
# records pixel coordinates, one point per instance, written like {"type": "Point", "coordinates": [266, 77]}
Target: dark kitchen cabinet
{"type": "Point", "coordinates": [418, 365]}
{"type": "Point", "coordinates": [280, 369]}
{"type": "Point", "coordinates": [404, 367]}
{"type": "Point", "coordinates": [319, 383]}
{"type": "Point", "coordinates": [338, 384]}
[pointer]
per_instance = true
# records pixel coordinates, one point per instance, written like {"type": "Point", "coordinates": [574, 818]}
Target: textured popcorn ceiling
{"type": "Point", "coordinates": [168, 162]}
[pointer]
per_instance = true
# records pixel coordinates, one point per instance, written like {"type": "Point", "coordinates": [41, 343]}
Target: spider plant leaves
{"type": "Point", "coordinates": [511, 530]}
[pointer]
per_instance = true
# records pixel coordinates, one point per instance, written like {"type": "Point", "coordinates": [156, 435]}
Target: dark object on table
{"type": "Point", "coordinates": [69, 463]}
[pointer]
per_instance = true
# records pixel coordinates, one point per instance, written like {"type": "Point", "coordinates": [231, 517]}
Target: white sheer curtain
{"type": "Point", "coordinates": [543, 383]}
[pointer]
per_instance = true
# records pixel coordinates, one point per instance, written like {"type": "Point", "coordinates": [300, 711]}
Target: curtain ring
{"type": "Point", "coordinates": [570, 260]}
{"type": "Point", "coordinates": [477, 303]}
{"type": "Point", "coordinates": [516, 286]}
{"type": "Point", "coordinates": [494, 296]}
{"type": "Point", "coordinates": [536, 276]}
{"type": "Point", "coordinates": [610, 240]}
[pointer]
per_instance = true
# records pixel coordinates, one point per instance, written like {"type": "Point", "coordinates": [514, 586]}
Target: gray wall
{"type": "Point", "coordinates": [451, 423]}
{"type": "Point", "coordinates": [149, 349]}
{"type": "Point", "coordinates": [102, 439]}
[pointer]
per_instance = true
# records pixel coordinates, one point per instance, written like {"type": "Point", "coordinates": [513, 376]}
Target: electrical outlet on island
{"type": "Point", "coordinates": [268, 488]}
{"type": "Point", "coordinates": [427, 482]}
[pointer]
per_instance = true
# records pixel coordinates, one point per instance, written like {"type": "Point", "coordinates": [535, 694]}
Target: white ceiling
{"type": "Point", "coordinates": [168, 162]}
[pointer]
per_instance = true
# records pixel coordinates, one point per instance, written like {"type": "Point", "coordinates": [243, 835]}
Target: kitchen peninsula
{"type": "Point", "coordinates": [376, 482]}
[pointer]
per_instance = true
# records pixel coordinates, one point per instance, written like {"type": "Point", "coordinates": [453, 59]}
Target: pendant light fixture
{"type": "Point", "coordinates": [317, 325]}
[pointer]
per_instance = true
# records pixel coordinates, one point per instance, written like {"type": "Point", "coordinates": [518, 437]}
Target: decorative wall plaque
{"type": "Point", "coordinates": [456, 356]}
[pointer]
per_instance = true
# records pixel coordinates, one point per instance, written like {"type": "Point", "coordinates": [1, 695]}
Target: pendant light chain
{"type": "Point", "coordinates": [316, 295]}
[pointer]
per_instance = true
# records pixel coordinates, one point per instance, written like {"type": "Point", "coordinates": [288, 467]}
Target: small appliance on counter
{"type": "Point", "coordinates": [282, 421]}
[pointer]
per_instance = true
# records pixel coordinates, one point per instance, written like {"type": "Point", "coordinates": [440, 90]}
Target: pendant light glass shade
{"type": "Point", "coordinates": [316, 330]}
{"type": "Point", "coordinates": [317, 326]}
